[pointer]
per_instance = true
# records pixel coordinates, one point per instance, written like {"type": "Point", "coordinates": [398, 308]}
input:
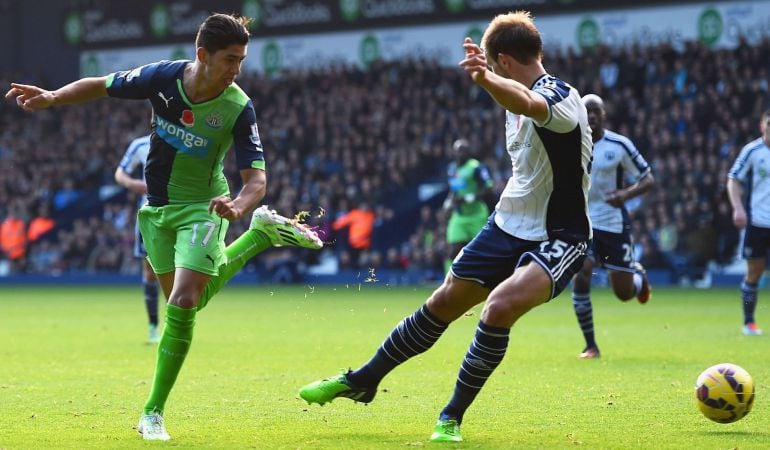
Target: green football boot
{"type": "Point", "coordinates": [326, 390]}
{"type": "Point", "coordinates": [446, 430]}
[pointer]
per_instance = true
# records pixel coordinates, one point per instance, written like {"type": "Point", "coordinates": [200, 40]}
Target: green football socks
{"type": "Point", "coordinates": [172, 350]}
{"type": "Point", "coordinates": [248, 245]}
{"type": "Point", "coordinates": [178, 332]}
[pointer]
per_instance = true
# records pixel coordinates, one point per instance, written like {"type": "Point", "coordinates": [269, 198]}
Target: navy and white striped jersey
{"type": "Point", "coordinates": [615, 159]}
{"type": "Point", "coordinates": [135, 159]}
{"type": "Point", "coordinates": [754, 161]}
{"type": "Point", "coordinates": [547, 194]}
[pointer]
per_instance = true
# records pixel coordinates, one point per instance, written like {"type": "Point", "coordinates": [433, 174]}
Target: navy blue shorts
{"type": "Point", "coordinates": [493, 255]}
{"type": "Point", "coordinates": [613, 251]}
{"type": "Point", "coordinates": [139, 250]}
{"type": "Point", "coordinates": [756, 242]}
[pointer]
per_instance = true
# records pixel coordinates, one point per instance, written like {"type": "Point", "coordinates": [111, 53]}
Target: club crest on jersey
{"type": "Point", "coordinates": [254, 136]}
{"type": "Point", "coordinates": [188, 118]}
{"type": "Point", "coordinates": [609, 156]}
{"type": "Point", "coordinates": [214, 120]}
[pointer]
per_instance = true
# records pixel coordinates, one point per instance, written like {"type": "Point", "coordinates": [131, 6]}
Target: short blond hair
{"type": "Point", "coordinates": [513, 34]}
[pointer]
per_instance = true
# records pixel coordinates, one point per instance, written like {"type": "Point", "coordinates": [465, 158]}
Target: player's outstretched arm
{"type": "Point", "coordinates": [31, 98]}
{"type": "Point", "coordinates": [515, 97]}
{"type": "Point", "coordinates": [508, 93]}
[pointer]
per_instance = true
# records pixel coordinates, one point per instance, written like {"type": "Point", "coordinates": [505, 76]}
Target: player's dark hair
{"type": "Point", "coordinates": [220, 31]}
{"type": "Point", "coordinates": [766, 115]}
{"type": "Point", "coordinates": [513, 34]}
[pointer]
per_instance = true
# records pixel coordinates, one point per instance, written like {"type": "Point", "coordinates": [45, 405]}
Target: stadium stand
{"type": "Point", "coordinates": [342, 135]}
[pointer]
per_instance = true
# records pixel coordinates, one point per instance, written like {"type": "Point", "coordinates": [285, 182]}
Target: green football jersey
{"type": "Point", "coordinates": [469, 179]}
{"type": "Point", "coordinates": [190, 140]}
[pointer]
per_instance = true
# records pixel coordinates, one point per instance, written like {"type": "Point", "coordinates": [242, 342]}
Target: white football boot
{"type": "Point", "coordinates": [283, 231]}
{"type": "Point", "coordinates": [151, 428]}
{"type": "Point", "coordinates": [153, 334]}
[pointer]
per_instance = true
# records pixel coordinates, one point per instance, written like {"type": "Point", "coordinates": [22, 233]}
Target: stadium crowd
{"type": "Point", "coordinates": [342, 138]}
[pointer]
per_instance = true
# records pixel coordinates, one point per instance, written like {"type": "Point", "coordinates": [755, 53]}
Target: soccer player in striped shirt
{"type": "Point", "coordinates": [752, 168]}
{"type": "Point", "coordinates": [615, 159]}
{"type": "Point", "coordinates": [532, 244]}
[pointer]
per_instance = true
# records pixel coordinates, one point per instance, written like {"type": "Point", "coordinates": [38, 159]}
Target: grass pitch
{"type": "Point", "coordinates": [75, 371]}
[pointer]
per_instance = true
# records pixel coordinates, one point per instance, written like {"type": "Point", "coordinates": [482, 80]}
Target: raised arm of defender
{"type": "Point", "coordinates": [496, 78]}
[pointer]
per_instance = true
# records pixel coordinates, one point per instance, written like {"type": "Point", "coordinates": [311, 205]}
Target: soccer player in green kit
{"type": "Point", "coordinates": [198, 114]}
{"type": "Point", "coordinates": [469, 181]}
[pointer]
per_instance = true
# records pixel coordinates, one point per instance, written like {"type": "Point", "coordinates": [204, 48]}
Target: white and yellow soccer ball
{"type": "Point", "coordinates": [724, 393]}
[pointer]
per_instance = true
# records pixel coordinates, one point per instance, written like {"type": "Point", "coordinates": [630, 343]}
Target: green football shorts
{"type": "Point", "coordinates": [462, 228]}
{"type": "Point", "coordinates": [185, 236]}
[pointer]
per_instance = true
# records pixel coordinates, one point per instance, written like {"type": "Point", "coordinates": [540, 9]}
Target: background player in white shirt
{"type": "Point", "coordinates": [615, 160]}
{"type": "Point", "coordinates": [130, 175]}
{"type": "Point", "coordinates": [752, 167]}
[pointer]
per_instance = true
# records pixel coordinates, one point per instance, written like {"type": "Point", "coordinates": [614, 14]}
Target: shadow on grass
{"type": "Point", "coordinates": [758, 434]}
{"type": "Point", "coordinates": [374, 440]}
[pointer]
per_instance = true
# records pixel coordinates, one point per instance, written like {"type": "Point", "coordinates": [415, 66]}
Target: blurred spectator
{"type": "Point", "coordinates": [66, 196]}
{"type": "Point", "coordinates": [42, 224]}
{"type": "Point", "coordinates": [338, 133]}
{"type": "Point", "coordinates": [360, 224]}
{"type": "Point", "coordinates": [43, 258]}
{"type": "Point", "coordinates": [282, 265]}
{"type": "Point", "coordinates": [13, 238]}
{"type": "Point", "coordinates": [395, 261]}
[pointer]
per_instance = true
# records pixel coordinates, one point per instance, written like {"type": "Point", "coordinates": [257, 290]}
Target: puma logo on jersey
{"type": "Point", "coordinates": [163, 97]}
